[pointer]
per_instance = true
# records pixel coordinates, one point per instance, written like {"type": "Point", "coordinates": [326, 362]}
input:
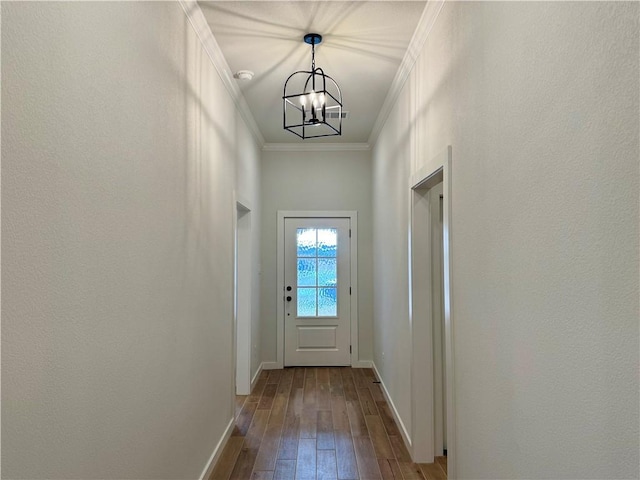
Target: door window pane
{"type": "Point", "coordinates": [307, 302]}
{"type": "Point", "coordinates": [327, 242]}
{"type": "Point", "coordinates": [317, 272]}
{"type": "Point", "coordinates": [307, 272]}
{"type": "Point", "coordinates": [327, 272]}
{"type": "Point", "coordinates": [327, 302]}
{"type": "Point", "coordinates": [306, 241]}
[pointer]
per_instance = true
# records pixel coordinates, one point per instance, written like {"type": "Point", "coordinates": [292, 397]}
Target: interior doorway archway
{"type": "Point", "coordinates": [428, 379]}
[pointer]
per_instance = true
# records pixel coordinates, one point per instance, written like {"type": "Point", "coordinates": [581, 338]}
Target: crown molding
{"type": "Point", "coordinates": [199, 23]}
{"type": "Point", "coordinates": [315, 147]}
{"type": "Point", "coordinates": [427, 20]}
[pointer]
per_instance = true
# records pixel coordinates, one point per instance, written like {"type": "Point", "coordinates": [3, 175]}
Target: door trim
{"type": "Point", "coordinates": [437, 170]}
{"type": "Point", "coordinates": [242, 297]}
{"type": "Point", "coordinates": [352, 215]}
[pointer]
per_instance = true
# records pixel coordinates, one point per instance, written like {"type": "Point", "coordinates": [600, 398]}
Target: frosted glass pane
{"type": "Point", "coordinates": [306, 241]}
{"type": "Point", "coordinates": [327, 302]}
{"type": "Point", "coordinates": [306, 272]}
{"type": "Point", "coordinates": [327, 242]}
{"type": "Point", "coordinates": [327, 272]}
{"type": "Point", "coordinates": [306, 302]}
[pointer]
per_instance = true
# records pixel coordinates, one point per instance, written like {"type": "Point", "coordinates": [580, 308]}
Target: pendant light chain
{"type": "Point", "coordinates": [313, 69]}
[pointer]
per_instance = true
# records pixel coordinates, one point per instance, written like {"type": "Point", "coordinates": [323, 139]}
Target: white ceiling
{"type": "Point", "coordinates": [363, 45]}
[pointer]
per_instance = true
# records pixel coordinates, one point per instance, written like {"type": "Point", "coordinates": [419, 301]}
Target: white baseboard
{"type": "Point", "coordinates": [255, 377]}
{"type": "Point", "coordinates": [270, 366]}
{"type": "Point", "coordinates": [208, 469]}
{"type": "Point", "coordinates": [394, 410]}
{"type": "Point", "coordinates": [276, 366]}
{"type": "Point", "coordinates": [362, 364]}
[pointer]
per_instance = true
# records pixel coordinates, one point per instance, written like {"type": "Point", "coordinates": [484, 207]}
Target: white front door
{"type": "Point", "coordinates": [317, 323]}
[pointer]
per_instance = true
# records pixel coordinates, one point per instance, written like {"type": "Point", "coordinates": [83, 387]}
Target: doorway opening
{"type": "Point", "coordinates": [431, 319]}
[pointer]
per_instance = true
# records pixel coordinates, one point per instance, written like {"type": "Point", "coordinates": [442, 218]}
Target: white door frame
{"type": "Point", "coordinates": [242, 297]}
{"type": "Point", "coordinates": [353, 216]}
{"type": "Point", "coordinates": [437, 170]}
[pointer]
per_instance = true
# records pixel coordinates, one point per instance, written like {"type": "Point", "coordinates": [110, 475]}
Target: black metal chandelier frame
{"type": "Point", "coordinates": [309, 108]}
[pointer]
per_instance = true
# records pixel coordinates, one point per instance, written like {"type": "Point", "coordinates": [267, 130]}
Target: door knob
{"type": "Point", "coordinates": [289, 298]}
{"type": "Point", "coordinates": [288, 288]}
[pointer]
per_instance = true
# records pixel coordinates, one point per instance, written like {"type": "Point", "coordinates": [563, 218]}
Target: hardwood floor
{"type": "Point", "coordinates": [318, 424]}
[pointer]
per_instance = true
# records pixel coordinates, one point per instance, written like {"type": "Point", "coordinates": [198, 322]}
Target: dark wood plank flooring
{"type": "Point", "coordinates": [318, 424]}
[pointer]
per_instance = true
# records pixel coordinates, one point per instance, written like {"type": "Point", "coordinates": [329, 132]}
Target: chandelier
{"type": "Point", "coordinates": [312, 101]}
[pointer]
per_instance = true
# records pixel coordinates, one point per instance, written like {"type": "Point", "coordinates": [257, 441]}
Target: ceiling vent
{"type": "Point", "coordinates": [331, 114]}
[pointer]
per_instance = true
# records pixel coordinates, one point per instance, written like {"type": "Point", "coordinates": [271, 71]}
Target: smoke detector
{"type": "Point", "coordinates": [244, 75]}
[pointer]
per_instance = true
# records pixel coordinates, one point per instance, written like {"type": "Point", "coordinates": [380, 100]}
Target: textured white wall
{"type": "Point", "coordinates": [119, 146]}
{"type": "Point", "coordinates": [392, 330]}
{"type": "Point", "coordinates": [540, 103]}
{"type": "Point", "coordinates": [316, 181]}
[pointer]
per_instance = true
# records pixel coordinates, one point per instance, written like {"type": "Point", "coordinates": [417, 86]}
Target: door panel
{"type": "Point", "coordinates": [317, 288]}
